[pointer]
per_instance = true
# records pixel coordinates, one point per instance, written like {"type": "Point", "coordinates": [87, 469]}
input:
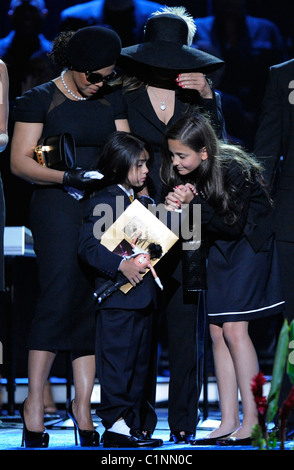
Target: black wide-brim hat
{"type": "Point", "coordinates": [165, 47]}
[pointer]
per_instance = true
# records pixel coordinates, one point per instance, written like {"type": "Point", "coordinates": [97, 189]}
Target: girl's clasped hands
{"type": "Point", "coordinates": [181, 194]}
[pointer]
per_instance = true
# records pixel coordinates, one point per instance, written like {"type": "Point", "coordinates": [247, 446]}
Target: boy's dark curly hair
{"type": "Point", "coordinates": [57, 55]}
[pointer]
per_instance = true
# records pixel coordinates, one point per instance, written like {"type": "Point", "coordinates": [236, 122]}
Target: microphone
{"type": "Point", "coordinates": [108, 288]}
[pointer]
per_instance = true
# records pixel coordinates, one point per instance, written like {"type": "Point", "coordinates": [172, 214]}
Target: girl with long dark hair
{"type": "Point", "coordinates": [242, 271]}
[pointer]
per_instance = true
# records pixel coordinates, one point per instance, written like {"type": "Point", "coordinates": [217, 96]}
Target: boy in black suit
{"type": "Point", "coordinates": [124, 321]}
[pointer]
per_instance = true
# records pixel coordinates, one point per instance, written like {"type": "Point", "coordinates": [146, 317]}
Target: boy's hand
{"type": "Point", "coordinates": [131, 271]}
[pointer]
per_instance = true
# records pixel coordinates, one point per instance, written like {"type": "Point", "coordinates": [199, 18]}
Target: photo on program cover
{"type": "Point", "coordinates": [137, 225]}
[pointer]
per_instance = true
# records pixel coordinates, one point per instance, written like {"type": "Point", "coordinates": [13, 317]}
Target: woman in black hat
{"type": "Point", "coordinates": [78, 102]}
{"type": "Point", "coordinates": [166, 80]}
{"type": "Point", "coordinates": [243, 281]}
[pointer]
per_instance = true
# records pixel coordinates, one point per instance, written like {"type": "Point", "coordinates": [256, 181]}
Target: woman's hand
{"type": "Point", "coordinates": [182, 194]}
{"type": "Point", "coordinates": [195, 81]}
{"type": "Point", "coordinates": [77, 179]}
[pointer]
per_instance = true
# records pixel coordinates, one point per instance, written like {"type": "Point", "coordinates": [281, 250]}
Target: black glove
{"type": "Point", "coordinates": [76, 179]}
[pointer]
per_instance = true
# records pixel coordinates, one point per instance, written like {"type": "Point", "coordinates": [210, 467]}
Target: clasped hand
{"type": "Point", "coordinates": [182, 194]}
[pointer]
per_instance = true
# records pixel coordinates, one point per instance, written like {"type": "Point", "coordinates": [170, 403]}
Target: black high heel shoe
{"type": "Point", "coordinates": [30, 438]}
{"type": "Point", "coordinates": [87, 438]}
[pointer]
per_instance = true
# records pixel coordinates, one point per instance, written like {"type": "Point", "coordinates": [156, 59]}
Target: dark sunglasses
{"type": "Point", "coordinates": [96, 77]}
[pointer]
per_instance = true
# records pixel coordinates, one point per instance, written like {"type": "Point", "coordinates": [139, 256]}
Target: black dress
{"type": "Point", "coordinates": [64, 317]}
{"type": "Point", "coordinates": [243, 285]}
{"type": "Point", "coordinates": [243, 277]}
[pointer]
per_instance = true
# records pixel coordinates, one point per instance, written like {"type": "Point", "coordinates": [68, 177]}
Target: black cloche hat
{"type": "Point", "coordinates": [165, 47]}
{"type": "Point", "coordinates": [93, 48]}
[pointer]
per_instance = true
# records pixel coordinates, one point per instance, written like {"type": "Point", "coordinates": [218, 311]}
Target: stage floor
{"type": "Point", "coordinates": [61, 434]}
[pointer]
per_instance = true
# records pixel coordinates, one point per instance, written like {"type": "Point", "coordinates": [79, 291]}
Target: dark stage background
{"type": "Point", "coordinates": [22, 272]}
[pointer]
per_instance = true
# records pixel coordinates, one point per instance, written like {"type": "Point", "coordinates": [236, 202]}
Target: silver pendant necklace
{"type": "Point", "coordinates": [80, 98]}
{"type": "Point", "coordinates": [162, 104]}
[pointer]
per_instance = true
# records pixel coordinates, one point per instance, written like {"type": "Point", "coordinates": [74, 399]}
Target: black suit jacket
{"type": "Point", "coordinates": [275, 139]}
{"type": "Point", "coordinates": [104, 262]}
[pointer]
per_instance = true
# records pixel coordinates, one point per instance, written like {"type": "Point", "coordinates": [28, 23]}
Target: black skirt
{"type": "Point", "coordinates": [65, 313]}
{"type": "Point", "coordinates": [242, 285]}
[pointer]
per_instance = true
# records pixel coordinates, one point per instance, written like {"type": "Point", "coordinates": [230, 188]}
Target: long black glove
{"type": "Point", "coordinates": [77, 179]}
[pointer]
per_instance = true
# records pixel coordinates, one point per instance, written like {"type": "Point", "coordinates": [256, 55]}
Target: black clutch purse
{"type": "Point", "coordinates": [58, 152]}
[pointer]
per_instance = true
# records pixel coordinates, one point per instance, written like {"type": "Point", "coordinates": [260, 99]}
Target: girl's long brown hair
{"type": "Point", "coordinates": [196, 132]}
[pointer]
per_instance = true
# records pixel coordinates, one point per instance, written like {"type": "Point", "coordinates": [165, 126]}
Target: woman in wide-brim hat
{"type": "Point", "coordinates": [165, 79]}
{"type": "Point", "coordinates": [165, 46]}
{"type": "Point", "coordinates": [168, 73]}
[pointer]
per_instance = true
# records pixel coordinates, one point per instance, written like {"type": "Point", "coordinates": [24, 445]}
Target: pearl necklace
{"type": "Point", "coordinates": [80, 98]}
{"type": "Point", "coordinates": [162, 104]}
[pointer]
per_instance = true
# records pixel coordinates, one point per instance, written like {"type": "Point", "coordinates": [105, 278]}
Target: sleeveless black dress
{"type": "Point", "coordinates": [64, 317]}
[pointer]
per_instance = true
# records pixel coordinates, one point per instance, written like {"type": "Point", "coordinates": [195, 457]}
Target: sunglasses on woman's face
{"type": "Point", "coordinates": [96, 77]}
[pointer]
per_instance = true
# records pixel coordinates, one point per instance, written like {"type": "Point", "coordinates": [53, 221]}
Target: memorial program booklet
{"type": "Point", "coordinates": [137, 222]}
